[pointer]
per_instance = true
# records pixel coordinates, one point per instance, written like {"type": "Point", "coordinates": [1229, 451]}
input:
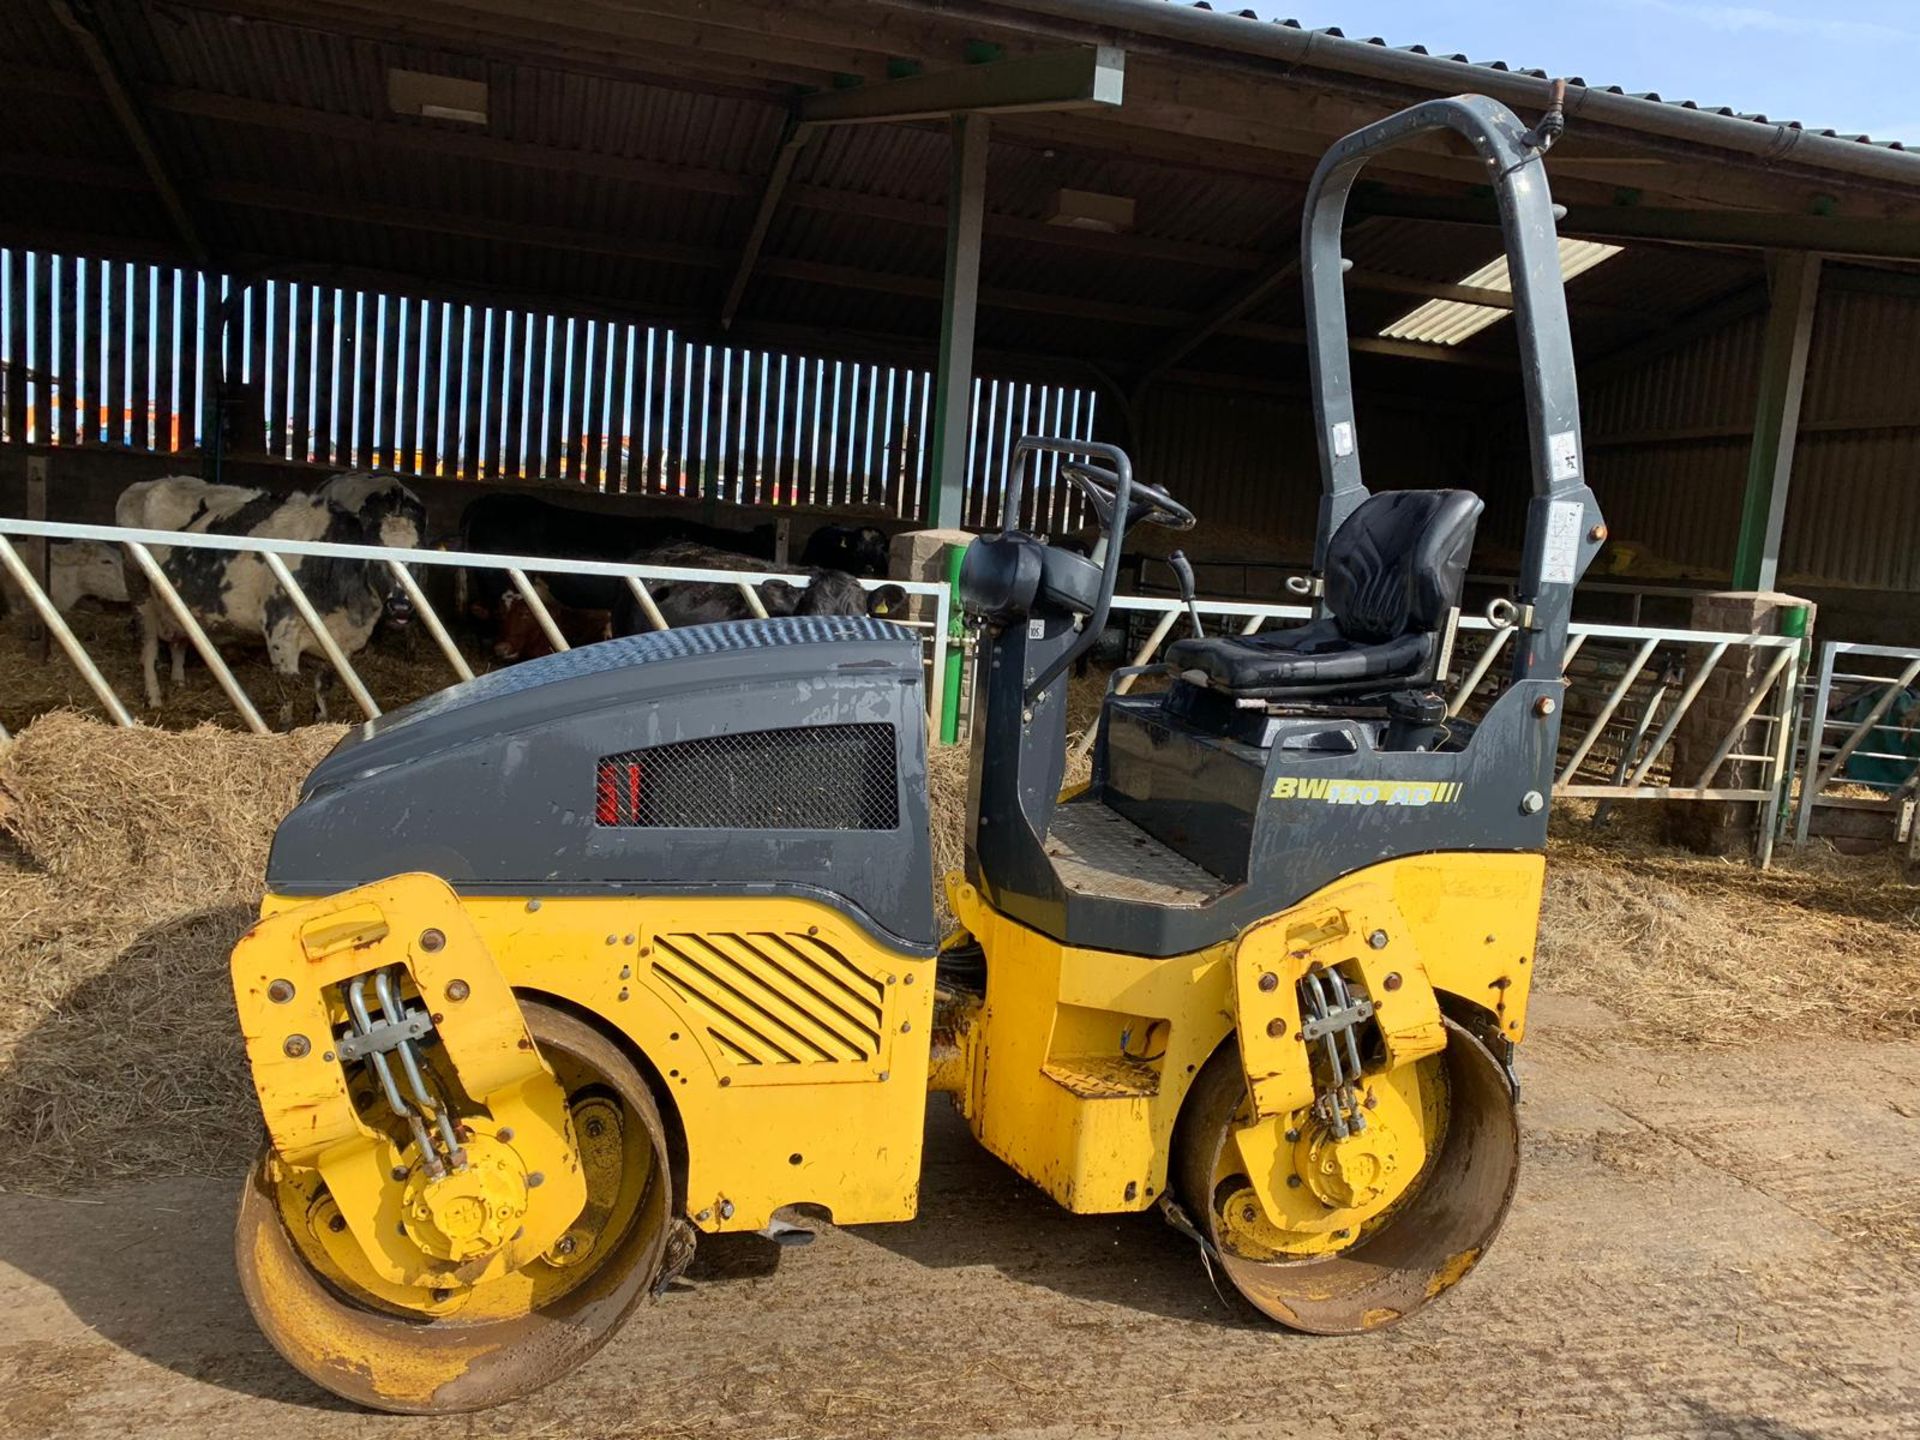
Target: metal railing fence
{"type": "Point", "coordinates": [1631, 690]}
{"type": "Point", "coordinates": [520, 570]}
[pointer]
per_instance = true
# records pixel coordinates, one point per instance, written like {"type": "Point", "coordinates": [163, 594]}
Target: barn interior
{"type": "Point", "coordinates": [841, 251]}
{"type": "Point", "coordinates": [974, 204]}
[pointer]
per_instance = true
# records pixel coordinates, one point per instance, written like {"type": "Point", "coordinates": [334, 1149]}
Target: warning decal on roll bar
{"type": "Point", "coordinates": [1564, 448]}
{"type": "Point", "coordinates": [1560, 557]}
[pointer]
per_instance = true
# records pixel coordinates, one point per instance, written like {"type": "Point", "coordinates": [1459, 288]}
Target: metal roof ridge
{"type": "Point", "coordinates": [1196, 22]}
{"type": "Point", "coordinates": [1461, 58]}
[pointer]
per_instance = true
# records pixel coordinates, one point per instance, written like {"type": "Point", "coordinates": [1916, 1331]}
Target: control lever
{"type": "Point", "coordinates": [1183, 573]}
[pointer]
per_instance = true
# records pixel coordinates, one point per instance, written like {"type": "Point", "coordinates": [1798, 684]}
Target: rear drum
{"type": "Point", "coordinates": [416, 1351]}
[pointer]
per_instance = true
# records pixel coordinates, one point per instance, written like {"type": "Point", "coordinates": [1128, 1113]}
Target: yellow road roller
{"type": "Point", "coordinates": [564, 968]}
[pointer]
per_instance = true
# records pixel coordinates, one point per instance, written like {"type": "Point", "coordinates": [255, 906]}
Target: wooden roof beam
{"type": "Point", "coordinates": [546, 45]}
{"type": "Point", "coordinates": [1121, 245]}
{"type": "Point", "coordinates": [134, 126]}
{"type": "Point", "coordinates": [404, 217]}
{"type": "Point", "coordinates": [1083, 77]}
{"type": "Point", "coordinates": [783, 37]}
{"type": "Point", "coordinates": [792, 141]}
{"type": "Point", "coordinates": [1718, 229]}
{"type": "Point", "coordinates": [489, 149]}
{"type": "Point", "coordinates": [1228, 311]}
{"type": "Point", "coordinates": [1076, 307]}
{"type": "Point", "coordinates": [441, 140]}
{"type": "Point", "coordinates": [438, 140]}
{"type": "Point", "coordinates": [876, 33]}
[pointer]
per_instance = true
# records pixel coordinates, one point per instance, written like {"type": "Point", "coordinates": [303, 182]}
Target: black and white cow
{"type": "Point", "coordinates": [706, 602]}
{"type": "Point", "coordinates": [391, 513]}
{"type": "Point", "coordinates": [234, 595]}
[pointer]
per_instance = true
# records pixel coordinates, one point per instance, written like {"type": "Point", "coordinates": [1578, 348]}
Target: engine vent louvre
{"type": "Point", "coordinates": [821, 777]}
{"type": "Point", "coordinates": [769, 999]}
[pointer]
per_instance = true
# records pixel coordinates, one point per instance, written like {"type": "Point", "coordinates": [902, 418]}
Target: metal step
{"type": "Point", "coordinates": [1097, 851]}
{"type": "Point", "coordinates": [1104, 1077]}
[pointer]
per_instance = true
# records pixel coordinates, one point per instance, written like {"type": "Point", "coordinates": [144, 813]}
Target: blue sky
{"type": "Point", "coordinates": [1848, 65]}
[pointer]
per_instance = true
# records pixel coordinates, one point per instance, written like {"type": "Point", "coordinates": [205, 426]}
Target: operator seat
{"type": "Point", "coordinates": [1394, 570]}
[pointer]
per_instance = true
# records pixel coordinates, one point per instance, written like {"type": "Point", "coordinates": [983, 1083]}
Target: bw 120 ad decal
{"type": "Point", "coordinates": [1366, 792]}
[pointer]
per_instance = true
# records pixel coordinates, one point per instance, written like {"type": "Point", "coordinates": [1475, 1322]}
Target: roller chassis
{"type": "Point", "coordinates": [572, 964]}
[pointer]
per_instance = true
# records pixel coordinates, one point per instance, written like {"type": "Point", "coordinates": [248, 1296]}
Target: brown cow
{"type": "Point", "coordinates": [521, 636]}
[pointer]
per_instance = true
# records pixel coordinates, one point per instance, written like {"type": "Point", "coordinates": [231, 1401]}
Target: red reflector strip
{"type": "Point", "coordinates": [616, 799]}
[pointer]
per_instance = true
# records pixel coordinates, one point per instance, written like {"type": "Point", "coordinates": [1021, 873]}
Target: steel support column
{"type": "Point", "coordinates": [1794, 287]}
{"type": "Point", "coordinates": [953, 382]}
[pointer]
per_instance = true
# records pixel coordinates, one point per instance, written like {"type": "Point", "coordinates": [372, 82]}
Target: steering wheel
{"type": "Point", "coordinates": [1145, 502]}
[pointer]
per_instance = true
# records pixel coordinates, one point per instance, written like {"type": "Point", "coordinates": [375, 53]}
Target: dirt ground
{"type": "Point", "coordinates": [1705, 1242]}
{"type": "Point", "coordinates": [1716, 1233]}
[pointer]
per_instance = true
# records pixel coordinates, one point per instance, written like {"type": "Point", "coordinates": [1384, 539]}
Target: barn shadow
{"type": "Point", "coordinates": [974, 1212]}
{"type": "Point", "coordinates": [127, 1124]}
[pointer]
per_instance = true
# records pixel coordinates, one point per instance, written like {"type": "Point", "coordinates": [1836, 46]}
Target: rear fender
{"type": "Point", "coordinates": [1415, 936]}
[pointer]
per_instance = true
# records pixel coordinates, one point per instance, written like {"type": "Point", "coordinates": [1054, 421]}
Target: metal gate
{"type": "Point", "coordinates": [1862, 746]}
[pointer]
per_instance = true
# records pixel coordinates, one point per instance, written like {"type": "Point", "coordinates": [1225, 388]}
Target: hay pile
{"type": "Point", "coordinates": [947, 800]}
{"type": "Point", "coordinates": [1691, 948]}
{"type": "Point", "coordinates": [130, 861]}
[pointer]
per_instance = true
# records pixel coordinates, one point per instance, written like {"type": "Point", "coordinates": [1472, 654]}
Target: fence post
{"type": "Point", "coordinates": [1816, 733]}
{"type": "Point", "coordinates": [956, 637]}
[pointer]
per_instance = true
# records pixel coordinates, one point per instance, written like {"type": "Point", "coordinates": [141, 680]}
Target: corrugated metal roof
{"type": "Point", "coordinates": [430, 202]}
{"type": "Point", "coordinates": [1468, 65]}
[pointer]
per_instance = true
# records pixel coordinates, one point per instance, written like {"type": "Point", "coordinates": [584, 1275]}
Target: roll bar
{"type": "Point", "coordinates": [1564, 526]}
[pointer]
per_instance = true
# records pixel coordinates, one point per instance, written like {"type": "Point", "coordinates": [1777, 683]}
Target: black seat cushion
{"type": "Point", "coordinates": [1394, 571]}
{"type": "Point", "coordinates": [1310, 658]}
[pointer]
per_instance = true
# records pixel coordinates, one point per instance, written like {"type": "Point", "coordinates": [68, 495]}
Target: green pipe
{"type": "Point", "coordinates": [1794, 621]}
{"type": "Point", "coordinates": [956, 650]}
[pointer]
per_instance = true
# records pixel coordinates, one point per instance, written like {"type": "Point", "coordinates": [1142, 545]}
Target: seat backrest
{"type": "Point", "coordinates": [1398, 563]}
